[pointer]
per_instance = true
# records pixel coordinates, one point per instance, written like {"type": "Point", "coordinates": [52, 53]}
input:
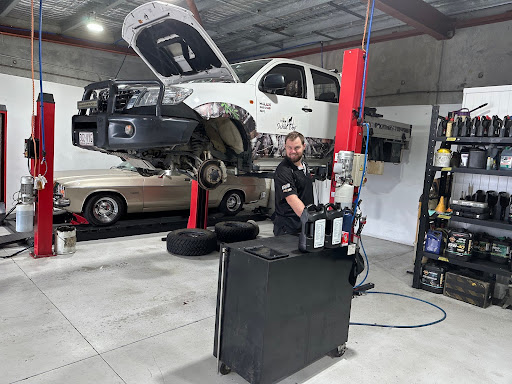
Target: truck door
{"type": "Point", "coordinates": [282, 111]}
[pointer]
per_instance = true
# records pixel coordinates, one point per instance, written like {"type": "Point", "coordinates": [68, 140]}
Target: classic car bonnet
{"type": "Point", "coordinates": [174, 45]}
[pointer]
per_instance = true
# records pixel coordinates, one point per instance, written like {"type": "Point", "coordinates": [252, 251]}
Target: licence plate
{"type": "Point", "coordinates": [85, 104]}
{"type": "Point", "coordinates": [86, 138]}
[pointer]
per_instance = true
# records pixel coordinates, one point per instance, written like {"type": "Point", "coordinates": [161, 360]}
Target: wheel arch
{"type": "Point", "coordinates": [91, 194]}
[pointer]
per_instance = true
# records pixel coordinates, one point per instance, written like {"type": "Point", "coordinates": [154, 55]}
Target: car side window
{"type": "Point", "coordinates": [327, 87]}
{"type": "Point", "coordinates": [295, 80]}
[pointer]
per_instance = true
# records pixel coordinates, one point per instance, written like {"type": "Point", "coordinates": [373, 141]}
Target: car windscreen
{"type": "Point", "coordinates": [246, 70]}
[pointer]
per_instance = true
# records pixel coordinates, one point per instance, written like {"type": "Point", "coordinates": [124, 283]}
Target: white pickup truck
{"type": "Point", "coordinates": [204, 114]}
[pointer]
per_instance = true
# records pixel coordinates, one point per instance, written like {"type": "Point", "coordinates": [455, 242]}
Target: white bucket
{"type": "Point", "coordinates": [25, 218]}
{"type": "Point", "coordinates": [65, 240]}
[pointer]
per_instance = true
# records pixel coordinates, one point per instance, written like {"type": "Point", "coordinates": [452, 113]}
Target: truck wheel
{"type": "Point", "coordinates": [231, 203]}
{"type": "Point", "coordinates": [191, 242]}
{"type": "Point", "coordinates": [104, 209]}
{"type": "Point", "coordinates": [233, 231]}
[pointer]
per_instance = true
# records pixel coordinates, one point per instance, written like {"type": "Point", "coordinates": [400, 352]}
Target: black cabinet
{"type": "Point", "coordinates": [280, 315]}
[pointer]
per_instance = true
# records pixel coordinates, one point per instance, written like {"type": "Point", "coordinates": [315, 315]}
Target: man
{"type": "Point", "coordinates": [293, 185]}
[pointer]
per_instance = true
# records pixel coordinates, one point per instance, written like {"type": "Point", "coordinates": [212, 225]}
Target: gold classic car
{"type": "Point", "coordinates": [103, 196]}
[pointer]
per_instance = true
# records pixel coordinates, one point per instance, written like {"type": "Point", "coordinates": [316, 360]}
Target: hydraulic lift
{"type": "Point", "coordinates": [279, 309]}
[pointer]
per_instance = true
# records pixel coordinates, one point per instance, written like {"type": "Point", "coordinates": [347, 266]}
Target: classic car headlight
{"type": "Point", "coordinates": [175, 95]}
{"type": "Point", "coordinates": [172, 95]}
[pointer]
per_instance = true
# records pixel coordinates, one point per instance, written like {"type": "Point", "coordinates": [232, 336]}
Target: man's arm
{"type": "Point", "coordinates": [296, 204]}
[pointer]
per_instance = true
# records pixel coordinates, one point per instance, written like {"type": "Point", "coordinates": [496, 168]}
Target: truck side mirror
{"type": "Point", "coordinates": [273, 82]}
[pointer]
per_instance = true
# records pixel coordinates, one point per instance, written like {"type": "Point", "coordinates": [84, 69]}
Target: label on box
{"type": "Point", "coordinates": [506, 162]}
{"type": "Point", "coordinates": [337, 225]}
{"type": "Point", "coordinates": [351, 249]}
{"type": "Point", "coordinates": [344, 239]}
{"type": "Point", "coordinates": [319, 238]}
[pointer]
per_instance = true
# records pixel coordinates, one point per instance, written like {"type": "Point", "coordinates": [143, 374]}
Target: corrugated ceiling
{"type": "Point", "coordinates": [240, 29]}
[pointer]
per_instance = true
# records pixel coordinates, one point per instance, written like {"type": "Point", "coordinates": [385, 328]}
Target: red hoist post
{"type": "Point", "coordinates": [349, 133]}
{"type": "Point", "coordinates": [198, 207]}
{"type": "Point", "coordinates": [43, 224]}
{"type": "Point", "coordinates": [3, 155]}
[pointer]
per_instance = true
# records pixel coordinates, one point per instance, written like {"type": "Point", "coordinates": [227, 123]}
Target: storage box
{"type": "Point", "coordinates": [468, 289]}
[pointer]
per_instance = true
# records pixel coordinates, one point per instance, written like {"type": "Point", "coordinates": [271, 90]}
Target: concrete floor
{"type": "Point", "coordinates": [125, 311]}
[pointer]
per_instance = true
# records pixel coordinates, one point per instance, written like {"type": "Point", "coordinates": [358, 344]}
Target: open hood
{"type": "Point", "coordinates": [174, 45]}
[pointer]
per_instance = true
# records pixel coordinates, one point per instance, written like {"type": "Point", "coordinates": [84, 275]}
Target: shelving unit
{"type": "Point", "coordinates": [430, 172]}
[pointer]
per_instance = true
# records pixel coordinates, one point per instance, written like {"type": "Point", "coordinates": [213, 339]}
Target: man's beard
{"type": "Point", "coordinates": [295, 158]}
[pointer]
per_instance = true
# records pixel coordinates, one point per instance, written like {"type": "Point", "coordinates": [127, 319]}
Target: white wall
{"type": "Point", "coordinates": [16, 94]}
{"type": "Point", "coordinates": [390, 201]}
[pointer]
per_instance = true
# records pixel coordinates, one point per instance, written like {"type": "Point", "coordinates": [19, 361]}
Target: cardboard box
{"type": "Point", "coordinates": [468, 289]}
{"type": "Point", "coordinates": [375, 167]}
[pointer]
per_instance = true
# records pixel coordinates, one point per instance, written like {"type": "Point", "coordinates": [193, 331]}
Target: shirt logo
{"type": "Point", "coordinates": [286, 188]}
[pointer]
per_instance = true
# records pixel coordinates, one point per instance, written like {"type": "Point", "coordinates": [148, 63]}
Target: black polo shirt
{"type": "Point", "coordinates": [290, 180]}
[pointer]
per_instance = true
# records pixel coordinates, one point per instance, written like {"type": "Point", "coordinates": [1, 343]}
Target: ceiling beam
{"type": "Point", "coordinates": [8, 7]}
{"type": "Point", "coordinates": [78, 21]}
{"type": "Point", "coordinates": [420, 15]}
{"type": "Point", "coordinates": [345, 9]}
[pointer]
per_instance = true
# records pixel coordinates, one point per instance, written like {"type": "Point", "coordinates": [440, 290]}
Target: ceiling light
{"type": "Point", "coordinates": [94, 27]}
{"type": "Point", "coordinates": [92, 23]}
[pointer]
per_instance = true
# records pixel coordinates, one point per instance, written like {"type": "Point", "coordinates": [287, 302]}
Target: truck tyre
{"type": "Point", "coordinates": [233, 231]}
{"type": "Point", "coordinates": [191, 242]}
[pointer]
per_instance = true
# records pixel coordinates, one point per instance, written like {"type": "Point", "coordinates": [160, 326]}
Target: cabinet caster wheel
{"type": "Point", "coordinates": [224, 369]}
{"type": "Point", "coordinates": [339, 351]}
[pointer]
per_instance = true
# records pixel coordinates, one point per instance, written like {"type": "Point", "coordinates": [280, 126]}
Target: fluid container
{"type": "Point", "coordinates": [334, 225]}
{"type": "Point", "coordinates": [432, 278]}
{"type": "Point", "coordinates": [506, 159]}
{"type": "Point", "coordinates": [25, 218]}
{"type": "Point", "coordinates": [312, 235]}
{"type": "Point", "coordinates": [344, 195]}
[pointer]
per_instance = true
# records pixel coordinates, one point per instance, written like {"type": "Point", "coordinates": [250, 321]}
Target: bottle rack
{"type": "Point", "coordinates": [430, 172]}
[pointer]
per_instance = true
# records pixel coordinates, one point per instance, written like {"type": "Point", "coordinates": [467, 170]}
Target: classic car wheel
{"type": "Point", "coordinates": [191, 242]}
{"type": "Point", "coordinates": [104, 209]}
{"type": "Point", "coordinates": [231, 203]}
{"type": "Point", "coordinates": [233, 231]}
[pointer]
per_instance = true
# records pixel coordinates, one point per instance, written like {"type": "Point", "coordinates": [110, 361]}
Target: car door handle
{"type": "Point", "coordinates": [305, 109]}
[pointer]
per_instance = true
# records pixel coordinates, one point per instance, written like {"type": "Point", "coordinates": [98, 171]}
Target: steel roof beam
{"type": "Point", "coordinates": [8, 7]}
{"type": "Point", "coordinates": [420, 15]}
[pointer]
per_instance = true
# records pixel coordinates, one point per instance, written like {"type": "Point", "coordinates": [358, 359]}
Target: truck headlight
{"type": "Point", "coordinates": [175, 95]}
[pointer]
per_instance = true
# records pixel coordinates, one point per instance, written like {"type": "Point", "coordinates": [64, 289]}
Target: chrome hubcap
{"type": "Point", "coordinates": [106, 209]}
{"type": "Point", "coordinates": [234, 201]}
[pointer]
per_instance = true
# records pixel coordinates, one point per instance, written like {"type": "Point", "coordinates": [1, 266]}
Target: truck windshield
{"type": "Point", "coordinates": [245, 70]}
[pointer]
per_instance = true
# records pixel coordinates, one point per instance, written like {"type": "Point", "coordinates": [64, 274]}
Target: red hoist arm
{"type": "Point", "coordinates": [349, 134]}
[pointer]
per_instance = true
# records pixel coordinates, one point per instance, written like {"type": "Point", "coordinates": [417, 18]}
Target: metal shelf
{"type": "Point", "coordinates": [492, 172]}
{"type": "Point", "coordinates": [476, 140]}
{"type": "Point", "coordinates": [484, 223]}
{"type": "Point", "coordinates": [479, 265]}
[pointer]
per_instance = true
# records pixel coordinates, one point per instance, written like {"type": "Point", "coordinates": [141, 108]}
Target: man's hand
{"type": "Point", "coordinates": [296, 204]}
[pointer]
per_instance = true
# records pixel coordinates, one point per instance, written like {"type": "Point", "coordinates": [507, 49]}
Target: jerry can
{"type": "Point", "coordinates": [312, 235]}
{"type": "Point", "coordinates": [334, 225]}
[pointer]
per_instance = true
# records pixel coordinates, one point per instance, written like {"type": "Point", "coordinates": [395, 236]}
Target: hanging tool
{"type": "Point", "coordinates": [441, 128]}
{"type": "Point", "coordinates": [504, 202]}
{"type": "Point", "coordinates": [497, 125]}
{"type": "Point", "coordinates": [477, 127]}
{"type": "Point", "coordinates": [507, 125]}
{"type": "Point", "coordinates": [486, 125]}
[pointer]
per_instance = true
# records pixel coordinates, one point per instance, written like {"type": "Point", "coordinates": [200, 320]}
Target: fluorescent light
{"type": "Point", "coordinates": [94, 27]}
